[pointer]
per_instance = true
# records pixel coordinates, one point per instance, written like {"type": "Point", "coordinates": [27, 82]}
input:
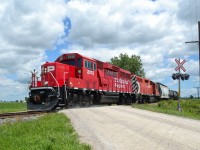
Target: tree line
{"type": "Point", "coordinates": [132, 63]}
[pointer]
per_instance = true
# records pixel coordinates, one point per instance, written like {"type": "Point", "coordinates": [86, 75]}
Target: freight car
{"type": "Point", "coordinates": [76, 79]}
{"type": "Point", "coordinates": [166, 93]}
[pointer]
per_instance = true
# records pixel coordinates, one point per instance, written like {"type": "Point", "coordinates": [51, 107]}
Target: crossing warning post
{"type": "Point", "coordinates": [180, 76]}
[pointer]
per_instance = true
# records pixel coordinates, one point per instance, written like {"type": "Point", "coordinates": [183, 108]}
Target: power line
{"type": "Point", "coordinates": [191, 19]}
{"type": "Point", "coordinates": [198, 42]}
{"type": "Point", "coordinates": [196, 10]}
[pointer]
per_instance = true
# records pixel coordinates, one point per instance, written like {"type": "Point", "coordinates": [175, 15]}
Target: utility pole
{"type": "Point", "coordinates": [179, 90]}
{"type": "Point", "coordinates": [197, 42]}
{"type": "Point", "coordinates": [197, 91]}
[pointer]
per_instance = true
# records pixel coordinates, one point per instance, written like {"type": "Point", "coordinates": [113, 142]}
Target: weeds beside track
{"type": "Point", "coordinates": [190, 108]}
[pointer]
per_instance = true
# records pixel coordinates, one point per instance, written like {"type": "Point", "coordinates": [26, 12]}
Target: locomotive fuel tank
{"type": "Point", "coordinates": [109, 98]}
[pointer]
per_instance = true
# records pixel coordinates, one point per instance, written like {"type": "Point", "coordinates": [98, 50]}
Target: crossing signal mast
{"type": "Point", "coordinates": [179, 76]}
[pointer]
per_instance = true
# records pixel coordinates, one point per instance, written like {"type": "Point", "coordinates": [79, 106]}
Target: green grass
{"type": "Point", "coordinates": [12, 107]}
{"type": "Point", "coordinates": [190, 108]}
{"type": "Point", "coordinates": [49, 132]}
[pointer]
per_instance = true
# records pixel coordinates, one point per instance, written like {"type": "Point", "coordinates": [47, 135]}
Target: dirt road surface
{"type": "Point", "coordinates": [126, 128]}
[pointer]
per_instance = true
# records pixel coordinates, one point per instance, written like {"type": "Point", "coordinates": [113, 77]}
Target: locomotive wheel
{"type": "Point", "coordinates": [81, 99]}
{"type": "Point", "coordinates": [96, 99]}
{"type": "Point", "coordinates": [120, 99]}
{"type": "Point", "coordinates": [88, 100]}
{"type": "Point", "coordinates": [147, 99]}
{"type": "Point", "coordinates": [124, 100]}
{"type": "Point", "coordinates": [71, 99]}
{"type": "Point", "coordinates": [134, 99]}
{"type": "Point", "coordinates": [85, 100]}
{"type": "Point", "coordinates": [128, 100]}
{"type": "Point", "coordinates": [140, 99]}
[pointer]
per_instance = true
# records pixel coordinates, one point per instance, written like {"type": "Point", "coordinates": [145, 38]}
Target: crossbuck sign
{"type": "Point", "coordinates": [180, 65]}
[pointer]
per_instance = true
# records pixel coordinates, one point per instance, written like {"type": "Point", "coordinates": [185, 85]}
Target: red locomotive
{"type": "Point", "coordinates": [74, 78]}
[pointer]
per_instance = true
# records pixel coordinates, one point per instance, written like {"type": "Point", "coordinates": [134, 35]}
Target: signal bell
{"type": "Point", "coordinates": [176, 76]}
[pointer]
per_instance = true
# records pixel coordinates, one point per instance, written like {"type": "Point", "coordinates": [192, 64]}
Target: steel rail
{"type": "Point", "coordinates": [23, 113]}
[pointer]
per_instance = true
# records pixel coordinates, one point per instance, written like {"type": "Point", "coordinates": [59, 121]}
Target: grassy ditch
{"type": "Point", "coordinates": [190, 108]}
{"type": "Point", "coordinates": [12, 107]}
{"type": "Point", "coordinates": [49, 132]}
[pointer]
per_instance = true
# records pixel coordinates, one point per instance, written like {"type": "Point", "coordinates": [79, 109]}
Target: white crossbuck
{"type": "Point", "coordinates": [180, 65]}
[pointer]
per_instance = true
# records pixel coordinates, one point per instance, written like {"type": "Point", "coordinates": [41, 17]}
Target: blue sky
{"type": "Point", "coordinates": [32, 33]}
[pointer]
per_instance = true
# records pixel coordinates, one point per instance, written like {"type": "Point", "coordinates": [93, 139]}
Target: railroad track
{"type": "Point", "coordinates": [23, 114]}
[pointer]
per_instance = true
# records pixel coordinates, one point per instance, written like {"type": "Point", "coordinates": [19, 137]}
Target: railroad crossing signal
{"type": "Point", "coordinates": [176, 76]}
{"type": "Point", "coordinates": [180, 65]}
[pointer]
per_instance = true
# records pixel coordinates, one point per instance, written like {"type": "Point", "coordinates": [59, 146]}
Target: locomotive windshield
{"type": "Point", "coordinates": [72, 62]}
{"type": "Point", "coordinates": [69, 62]}
{"type": "Point", "coordinates": [79, 62]}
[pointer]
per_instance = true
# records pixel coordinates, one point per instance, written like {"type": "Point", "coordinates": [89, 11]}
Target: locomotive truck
{"type": "Point", "coordinates": [76, 79]}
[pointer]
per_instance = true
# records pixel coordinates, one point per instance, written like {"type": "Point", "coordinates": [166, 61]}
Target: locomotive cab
{"type": "Point", "coordinates": [74, 61]}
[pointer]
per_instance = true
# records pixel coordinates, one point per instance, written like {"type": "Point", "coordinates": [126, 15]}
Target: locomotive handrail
{"type": "Point", "coordinates": [65, 84]}
{"type": "Point", "coordinates": [56, 82]}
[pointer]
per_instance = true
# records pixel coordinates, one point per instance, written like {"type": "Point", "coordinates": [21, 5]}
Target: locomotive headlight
{"type": "Point", "coordinates": [45, 70]}
{"type": "Point", "coordinates": [79, 71]}
{"type": "Point", "coordinates": [71, 84]}
{"type": "Point", "coordinates": [46, 83]}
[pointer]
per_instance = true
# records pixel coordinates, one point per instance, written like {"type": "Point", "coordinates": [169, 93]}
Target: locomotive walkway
{"type": "Point", "coordinates": [126, 128]}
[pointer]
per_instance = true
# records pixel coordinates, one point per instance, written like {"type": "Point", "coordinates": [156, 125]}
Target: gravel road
{"type": "Point", "coordinates": [126, 128]}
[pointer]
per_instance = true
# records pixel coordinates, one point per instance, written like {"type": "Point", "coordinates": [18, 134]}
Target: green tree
{"type": "Point", "coordinates": [132, 63]}
{"type": "Point", "coordinates": [191, 97]}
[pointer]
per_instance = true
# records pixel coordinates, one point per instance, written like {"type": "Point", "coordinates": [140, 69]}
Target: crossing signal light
{"type": "Point", "coordinates": [182, 77]}
{"type": "Point", "coordinates": [173, 76]}
{"type": "Point", "coordinates": [176, 76]}
{"type": "Point", "coordinates": [185, 76]}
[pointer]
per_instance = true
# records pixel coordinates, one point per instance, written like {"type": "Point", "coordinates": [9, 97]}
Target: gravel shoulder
{"type": "Point", "coordinates": [126, 128]}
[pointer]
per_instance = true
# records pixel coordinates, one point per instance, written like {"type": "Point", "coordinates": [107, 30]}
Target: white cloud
{"type": "Point", "coordinates": [119, 23]}
{"type": "Point", "coordinates": [27, 29]}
